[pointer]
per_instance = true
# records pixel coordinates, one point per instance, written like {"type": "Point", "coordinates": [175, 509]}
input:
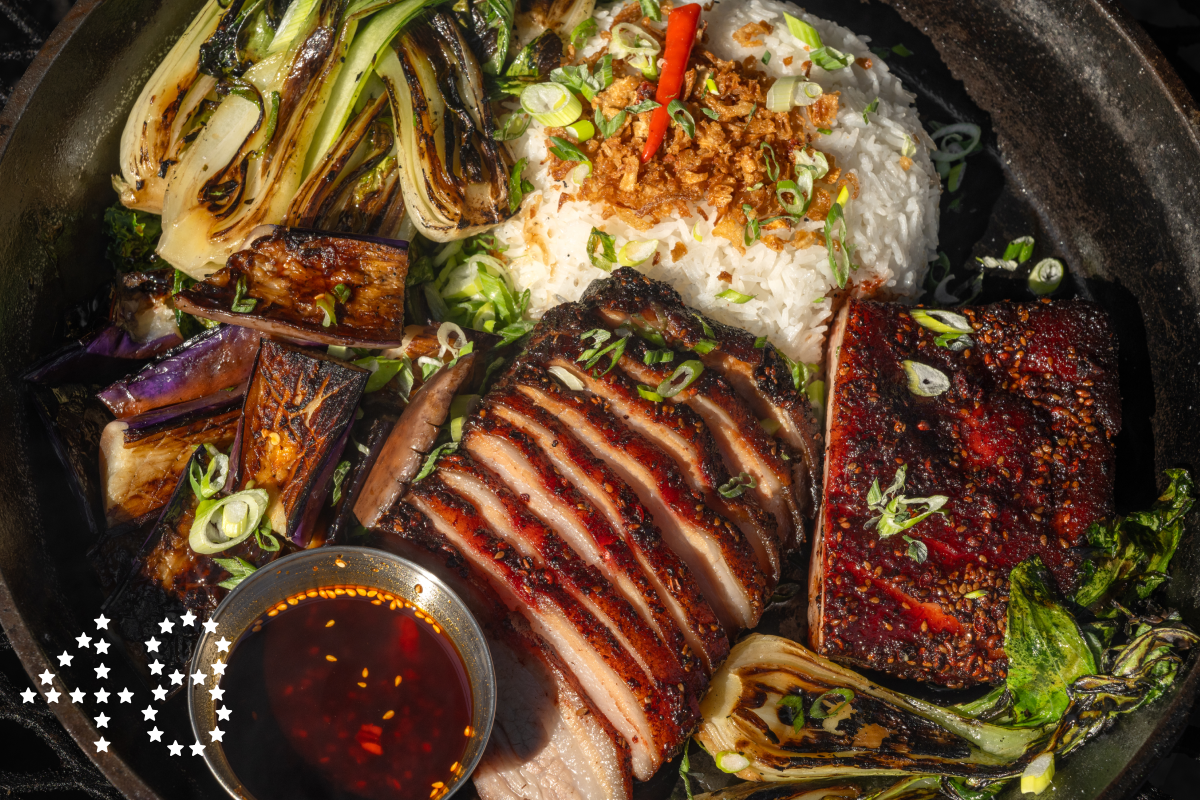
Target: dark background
{"type": "Point", "coordinates": [39, 760]}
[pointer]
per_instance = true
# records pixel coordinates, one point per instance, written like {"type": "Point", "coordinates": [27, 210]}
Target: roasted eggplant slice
{"type": "Point", "coordinates": [142, 460]}
{"type": "Point", "coordinates": [453, 172]}
{"type": "Point", "coordinates": [310, 286]}
{"type": "Point", "coordinates": [217, 359]}
{"type": "Point", "coordinates": [294, 426]}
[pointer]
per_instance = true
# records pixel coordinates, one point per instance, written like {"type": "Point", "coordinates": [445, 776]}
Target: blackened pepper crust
{"type": "Point", "coordinates": [1021, 444]}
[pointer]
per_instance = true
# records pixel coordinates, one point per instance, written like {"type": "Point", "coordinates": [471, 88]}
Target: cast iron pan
{"type": "Point", "coordinates": [1092, 145]}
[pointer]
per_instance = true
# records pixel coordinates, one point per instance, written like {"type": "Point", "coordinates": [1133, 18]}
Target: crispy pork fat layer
{"type": "Point", "coordinates": [1020, 441]}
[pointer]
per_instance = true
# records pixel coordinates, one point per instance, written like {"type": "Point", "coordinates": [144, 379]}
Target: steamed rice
{"type": "Point", "coordinates": [892, 224]}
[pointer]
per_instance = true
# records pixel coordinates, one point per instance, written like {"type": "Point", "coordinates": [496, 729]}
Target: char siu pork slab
{"type": "Point", "coordinates": [617, 494]}
{"type": "Point", "coordinates": [998, 423]}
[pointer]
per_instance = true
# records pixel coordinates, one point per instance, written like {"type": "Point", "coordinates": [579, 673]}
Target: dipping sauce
{"type": "Point", "coordinates": [352, 693]}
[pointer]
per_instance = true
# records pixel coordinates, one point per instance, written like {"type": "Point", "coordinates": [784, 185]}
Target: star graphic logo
{"type": "Point", "coordinates": [166, 626]}
{"type": "Point", "coordinates": [53, 695]}
{"type": "Point", "coordinates": [83, 639]}
{"type": "Point", "coordinates": [218, 735]}
{"type": "Point", "coordinates": [176, 748]}
{"type": "Point", "coordinates": [149, 713]}
{"type": "Point", "coordinates": [223, 644]}
{"type": "Point", "coordinates": [217, 693]}
{"type": "Point", "coordinates": [156, 667]}
{"type": "Point", "coordinates": [102, 745]}
{"type": "Point", "coordinates": [210, 626]}
{"type": "Point", "coordinates": [102, 672]}
{"type": "Point", "coordinates": [152, 645]}
{"type": "Point", "coordinates": [199, 677]}
{"type": "Point", "coordinates": [78, 695]}
{"type": "Point", "coordinates": [189, 619]}
{"type": "Point", "coordinates": [47, 678]}
{"type": "Point", "coordinates": [102, 622]}
{"type": "Point", "coordinates": [197, 749]}
{"type": "Point", "coordinates": [177, 678]}
{"type": "Point", "coordinates": [223, 714]}
{"type": "Point", "coordinates": [126, 696]}
{"type": "Point", "coordinates": [102, 647]}
{"type": "Point", "coordinates": [102, 721]}
{"type": "Point", "coordinates": [155, 734]}
{"type": "Point", "coordinates": [101, 696]}
{"type": "Point", "coordinates": [160, 694]}
{"type": "Point", "coordinates": [218, 668]}
{"type": "Point", "coordinates": [65, 659]}
{"type": "Point", "coordinates": [28, 696]}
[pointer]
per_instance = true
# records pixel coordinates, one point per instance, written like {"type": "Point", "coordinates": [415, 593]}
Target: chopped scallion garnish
{"type": "Point", "coordinates": [734, 296]}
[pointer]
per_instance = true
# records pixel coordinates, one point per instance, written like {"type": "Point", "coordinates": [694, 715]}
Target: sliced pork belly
{"type": "Point", "coordinates": [758, 372]}
{"type": "Point", "coordinates": [607, 671]}
{"type": "Point", "coordinates": [509, 519]}
{"type": "Point", "coordinates": [515, 456]}
{"type": "Point", "coordinates": [713, 548]}
{"type": "Point", "coordinates": [1018, 436]}
{"type": "Point", "coordinates": [669, 575]}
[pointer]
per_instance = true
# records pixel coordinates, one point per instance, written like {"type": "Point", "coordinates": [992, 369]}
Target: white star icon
{"type": "Point", "coordinates": [126, 696]}
{"type": "Point", "coordinates": [218, 668]}
{"type": "Point", "coordinates": [156, 667]}
{"type": "Point", "coordinates": [197, 749]}
{"type": "Point", "coordinates": [189, 618]}
{"type": "Point", "coordinates": [199, 677]}
{"type": "Point", "coordinates": [102, 647]}
{"type": "Point", "coordinates": [28, 695]}
{"type": "Point", "coordinates": [53, 695]}
{"type": "Point", "coordinates": [102, 672]}
{"type": "Point", "coordinates": [223, 644]}
{"type": "Point", "coordinates": [218, 735]}
{"type": "Point", "coordinates": [176, 748]}
{"type": "Point", "coordinates": [166, 626]}
{"type": "Point", "coordinates": [102, 745]}
{"type": "Point", "coordinates": [149, 712]}
{"type": "Point", "coordinates": [78, 695]}
{"type": "Point", "coordinates": [47, 678]}
{"type": "Point", "coordinates": [217, 693]}
{"type": "Point", "coordinates": [65, 659]}
{"type": "Point", "coordinates": [155, 734]}
{"type": "Point", "coordinates": [160, 694]}
{"type": "Point", "coordinates": [102, 721]}
{"type": "Point", "coordinates": [101, 696]}
{"type": "Point", "coordinates": [83, 639]}
{"type": "Point", "coordinates": [223, 713]}
{"type": "Point", "coordinates": [102, 622]}
{"type": "Point", "coordinates": [152, 645]}
{"type": "Point", "coordinates": [210, 626]}
{"type": "Point", "coordinates": [177, 678]}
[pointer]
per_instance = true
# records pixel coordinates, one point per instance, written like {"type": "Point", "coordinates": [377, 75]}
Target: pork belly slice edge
{"type": "Point", "coordinates": [683, 435]}
{"type": "Point", "coordinates": [607, 672]}
{"type": "Point", "coordinates": [759, 374]}
{"type": "Point", "coordinates": [528, 471]}
{"type": "Point", "coordinates": [1020, 443]}
{"type": "Point", "coordinates": [549, 741]}
{"type": "Point", "coordinates": [511, 521]}
{"type": "Point", "coordinates": [719, 557]}
{"type": "Point", "coordinates": [665, 570]}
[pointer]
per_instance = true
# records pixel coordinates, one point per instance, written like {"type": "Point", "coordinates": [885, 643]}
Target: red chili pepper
{"type": "Point", "coordinates": [681, 35]}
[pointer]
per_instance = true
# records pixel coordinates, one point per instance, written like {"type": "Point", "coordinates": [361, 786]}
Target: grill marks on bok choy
{"type": "Point", "coordinates": [453, 173]}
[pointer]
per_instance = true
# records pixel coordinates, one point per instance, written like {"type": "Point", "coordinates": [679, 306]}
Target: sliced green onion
{"type": "Point", "coordinates": [634, 253]}
{"type": "Point", "coordinates": [382, 371]}
{"type": "Point", "coordinates": [825, 131]}
{"type": "Point", "coordinates": [242, 304]}
{"type": "Point", "coordinates": [580, 173]}
{"type": "Point", "coordinates": [432, 459]}
{"type": "Point", "coordinates": [806, 93]}
{"type": "Point", "coordinates": [760, 343]}
{"type": "Point", "coordinates": [682, 117]}
{"type": "Point", "coordinates": [263, 538]}
{"type": "Point", "coordinates": [581, 130]}
{"type": "Point", "coordinates": [511, 126]}
{"type": "Point", "coordinates": [940, 321]}
{"type": "Point", "coordinates": [803, 31]}
{"type": "Point", "coordinates": [460, 408]}
{"type": "Point", "coordinates": [583, 31]}
{"type": "Point", "coordinates": [975, 595]}
{"type": "Point", "coordinates": [339, 477]}
{"type": "Point", "coordinates": [551, 104]}
{"type": "Point", "coordinates": [737, 486]}
{"type": "Point", "coordinates": [797, 206]}
{"type": "Point", "coordinates": [835, 232]}
{"type": "Point", "coordinates": [954, 150]}
{"type": "Point", "coordinates": [816, 162]}
{"type": "Point", "coordinates": [238, 568]}
{"type": "Point", "coordinates": [689, 371]}
{"type": "Point", "coordinates": [602, 250]}
{"type": "Point", "coordinates": [212, 480]}
{"type": "Point", "coordinates": [1019, 250]}
{"type": "Point", "coordinates": [771, 162]}
{"type": "Point", "coordinates": [909, 148]}
{"type": "Point", "coordinates": [829, 59]}
{"type": "Point", "coordinates": [221, 524]}
{"type": "Point", "coordinates": [639, 49]}
{"type": "Point", "coordinates": [650, 8]}
{"type": "Point", "coordinates": [924, 380]}
{"type": "Point", "coordinates": [729, 761]}
{"type": "Point", "coordinates": [771, 426]}
{"type": "Point", "coordinates": [649, 394]}
{"type": "Point", "coordinates": [870, 109]}
{"type": "Point", "coordinates": [815, 392]}
{"type": "Point", "coordinates": [342, 293]}
{"type": "Point", "coordinates": [734, 296]}
{"type": "Point", "coordinates": [653, 357]}
{"type": "Point", "coordinates": [1038, 775]}
{"type": "Point", "coordinates": [325, 302]}
{"type": "Point", "coordinates": [429, 366]}
{"type": "Point", "coordinates": [704, 346]}
{"type": "Point", "coordinates": [566, 151]}
{"type": "Point", "coordinates": [955, 179]}
{"type": "Point", "coordinates": [753, 229]}
{"type": "Point", "coordinates": [1046, 276]}
{"type": "Point", "coordinates": [779, 96]}
{"type": "Point", "coordinates": [711, 85]}
{"type": "Point", "coordinates": [696, 232]}
{"type": "Point", "coordinates": [818, 711]}
{"type": "Point", "coordinates": [445, 331]}
{"type": "Point", "coordinates": [766, 57]}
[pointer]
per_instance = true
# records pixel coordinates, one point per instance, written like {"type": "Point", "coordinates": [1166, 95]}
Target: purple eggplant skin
{"type": "Point", "coordinates": [97, 358]}
{"type": "Point", "coordinates": [279, 284]}
{"type": "Point", "coordinates": [298, 409]}
{"type": "Point", "coordinates": [211, 361]}
{"type": "Point", "coordinates": [181, 413]}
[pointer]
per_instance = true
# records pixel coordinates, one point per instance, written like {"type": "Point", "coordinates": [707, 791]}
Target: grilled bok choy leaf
{"type": "Point", "coordinates": [489, 25]}
{"type": "Point", "coordinates": [453, 172]}
{"type": "Point", "coordinates": [562, 16]}
{"type": "Point", "coordinates": [247, 163]}
{"type": "Point", "coordinates": [156, 125]}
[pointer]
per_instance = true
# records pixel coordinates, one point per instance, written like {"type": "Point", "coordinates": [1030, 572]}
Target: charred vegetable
{"type": "Point", "coordinates": [312, 286]}
{"type": "Point", "coordinates": [454, 174]}
{"type": "Point", "coordinates": [489, 23]}
{"type": "Point", "coordinates": [132, 237]}
{"type": "Point", "coordinates": [562, 16]}
{"type": "Point", "coordinates": [217, 360]}
{"type": "Point", "coordinates": [294, 426]}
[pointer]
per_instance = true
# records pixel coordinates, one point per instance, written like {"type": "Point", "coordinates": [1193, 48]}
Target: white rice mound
{"type": "Point", "coordinates": [892, 225]}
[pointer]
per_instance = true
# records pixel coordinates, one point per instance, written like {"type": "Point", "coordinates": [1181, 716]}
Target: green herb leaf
{"type": "Point", "coordinates": [835, 233]}
{"type": "Point", "coordinates": [685, 764]}
{"type": "Point", "coordinates": [339, 476]}
{"type": "Point", "coordinates": [901, 51]}
{"type": "Point", "coordinates": [265, 539]}
{"type": "Point", "coordinates": [917, 550]}
{"type": "Point", "coordinates": [830, 59]}
{"type": "Point", "coordinates": [881, 52]}
{"type": "Point", "coordinates": [518, 187]}
{"type": "Point", "coordinates": [642, 107]}
{"type": "Point", "coordinates": [432, 459]}
{"type": "Point", "coordinates": [602, 250]}
{"type": "Point", "coordinates": [567, 151]}
{"type": "Point", "coordinates": [682, 117]}
{"type": "Point", "coordinates": [819, 710]}
{"type": "Point", "coordinates": [649, 394]}
{"type": "Point", "coordinates": [870, 109]}
{"type": "Point", "coordinates": [752, 232]}
{"type": "Point", "coordinates": [770, 160]}
{"type": "Point", "coordinates": [242, 304]}
{"type": "Point", "coordinates": [795, 705]}
{"type": "Point", "coordinates": [132, 237]}
{"type": "Point", "coordinates": [1045, 648]}
{"type": "Point", "coordinates": [342, 293]}
{"type": "Point", "coordinates": [737, 486]}
{"type": "Point", "coordinates": [651, 9]}
{"type": "Point", "coordinates": [238, 568]}
{"type": "Point", "coordinates": [708, 112]}
{"type": "Point", "coordinates": [895, 513]}
{"type": "Point", "coordinates": [609, 127]}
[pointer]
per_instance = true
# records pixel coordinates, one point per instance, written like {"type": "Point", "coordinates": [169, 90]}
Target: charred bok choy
{"type": "Point", "coordinates": [779, 712]}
